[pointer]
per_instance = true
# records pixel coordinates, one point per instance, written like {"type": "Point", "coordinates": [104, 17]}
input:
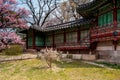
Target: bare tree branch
{"type": "Point", "coordinates": [66, 11]}
{"type": "Point", "coordinates": [40, 10]}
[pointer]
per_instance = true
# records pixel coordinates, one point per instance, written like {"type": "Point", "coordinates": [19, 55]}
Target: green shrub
{"type": "Point", "coordinates": [13, 50]}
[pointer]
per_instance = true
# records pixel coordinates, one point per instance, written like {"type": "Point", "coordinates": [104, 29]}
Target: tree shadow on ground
{"type": "Point", "coordinates": [40, 68]}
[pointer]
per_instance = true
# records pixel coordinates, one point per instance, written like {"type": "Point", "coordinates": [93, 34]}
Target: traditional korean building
{"type": "Point", "coordinates": [98, 32]}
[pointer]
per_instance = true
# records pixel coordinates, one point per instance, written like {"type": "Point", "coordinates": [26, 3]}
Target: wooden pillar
{"type": "Point", "coordinates": [96, 20]}
{"type": "Point", "coordinates": [44, 40]}
{"type": "Point", "coordinates": [33, 37]}
{"type": "Point", "coordinates": [53, 39]}
{"type": "Point", "coordinates": [27, 39]}
{"type": "Point", "coordinates": [64, 36]}
{"type": "Point", "coordinates": [115, 23]}
{"type": "Point", "coordinates": [115, 14]}
{"type": "Point", "coordinates": [115, 44]}
{"type": "Point", "coordinates": [78, 35]}
{"type": "Point", "coordinates": [97, 25]}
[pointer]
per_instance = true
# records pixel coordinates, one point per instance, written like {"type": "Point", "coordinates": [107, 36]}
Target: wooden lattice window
{"type": "Point", "coordinates": [105, 19]}
{"type": "Point", "coordinates": [110, 17]}
{"type": "Point", "coordinates": [39, 41]}
{"type": "Point", "coordinates": [71, 37]}
{"type": "Point", "coordinates": [118, 3]}
{"type": "Point", "coordinates": [59, 38]}
{"type": "Point", "coordinates": [118, 15]}
{"type": "Point", "coordinates": [30, 39]}
{"type": "Point", "coordinates": [100, 21]}
{"type": "Point", "coordinates": [48, 40]}
{"type": "Point", "coordinates": [84, 34]}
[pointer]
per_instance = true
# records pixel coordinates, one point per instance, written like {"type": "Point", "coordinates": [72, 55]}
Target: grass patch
{"type": "Point", "coordinates": [112, 65]}
{"type": "Point", "coordinates": [34, 70]}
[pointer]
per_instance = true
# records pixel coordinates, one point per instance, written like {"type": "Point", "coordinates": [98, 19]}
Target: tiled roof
{"type": "Point", "coordinates": [64, 25]}
{"type": "Point", "coordinates": [84, 9]}
{"type": "Point", "coordinates": [86, 4]}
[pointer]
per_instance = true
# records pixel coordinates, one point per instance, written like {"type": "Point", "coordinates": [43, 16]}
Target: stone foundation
{"type": "Point", "coordinates": [77, 56]}
{"type": "Point", "coordinates": [81, 56]}
{"type": "Point", "coordinates": [105, 51]}
{"type": "Point", "coordinates": [88, 57]}
{"type": "Point", "coordinates": [78, 52]}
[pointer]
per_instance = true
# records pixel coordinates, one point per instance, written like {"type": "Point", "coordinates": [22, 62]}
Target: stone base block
{"type": "Point", "coordinates": [88, 57]}
{"type": "Point", "coordinates": [77, 56]}
{"type": "Point", "coordinates": [81, 56]}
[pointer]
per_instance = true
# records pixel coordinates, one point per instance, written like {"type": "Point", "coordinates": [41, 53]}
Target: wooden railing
{"type": "Point", "coordinates": [82, 44]}
{"type": "Point", "coordinates": [104, 32]}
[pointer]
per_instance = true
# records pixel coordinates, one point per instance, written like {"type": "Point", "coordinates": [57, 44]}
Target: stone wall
{"type": "Point", "coordinates": [81, 56]}
{"type": "Point", "coordinates": [105, 50]}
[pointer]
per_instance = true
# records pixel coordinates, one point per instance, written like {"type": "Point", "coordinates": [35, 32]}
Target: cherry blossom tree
{"type": "Point", "coordinates": [9, 37]}
{"type": "Point", "coordinates": [11, 17]}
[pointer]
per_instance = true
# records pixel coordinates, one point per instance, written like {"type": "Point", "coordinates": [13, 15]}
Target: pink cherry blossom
{"type": "Point", "coordinates": [11, 17]}
{"type": "Point", "coordinates": [15, 39]}
{"type": "Point", "coordinates": [23, 11]}
{"type": "Point", "coordinates": [1, 2]}
{"type": "Point", "coordinates": [12, 1]}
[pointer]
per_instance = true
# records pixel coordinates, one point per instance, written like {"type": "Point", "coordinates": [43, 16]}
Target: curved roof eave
{"type": "Point", "coordinates": [67, 25]}
{"type": "Point", "coordinates": [91, 6]}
